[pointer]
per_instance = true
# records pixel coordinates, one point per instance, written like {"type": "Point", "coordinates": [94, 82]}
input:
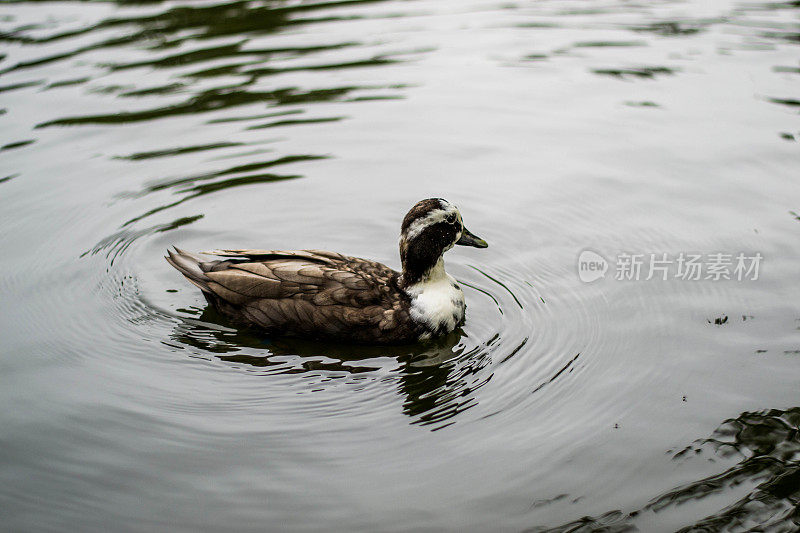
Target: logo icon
{"type": "Point", "coordinates": [591, 266]}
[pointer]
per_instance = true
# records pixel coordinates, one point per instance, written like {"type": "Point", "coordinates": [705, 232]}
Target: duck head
{"type": "Point", "coordinates": [430, 228]}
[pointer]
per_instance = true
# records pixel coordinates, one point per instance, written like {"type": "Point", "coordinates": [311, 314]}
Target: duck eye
{"type": "Point", "coordinates": [451, 218]}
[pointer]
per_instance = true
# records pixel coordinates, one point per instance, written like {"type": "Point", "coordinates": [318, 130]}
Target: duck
{"type": "Point", "coordinates": [328, 296]}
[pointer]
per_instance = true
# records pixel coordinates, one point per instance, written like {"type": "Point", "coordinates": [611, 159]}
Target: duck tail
{"type": "Point", "coordinates": [188, 264]}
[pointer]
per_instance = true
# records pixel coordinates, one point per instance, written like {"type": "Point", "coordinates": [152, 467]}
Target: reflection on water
{"type": "Point", "coordinates": [243, 81]}
{"type": "Point", "coordinates": [438, 379]}
{"type": "Point", "coordinates": [767, 446]}
{"type": "Point", "coordinates": [556, 125]}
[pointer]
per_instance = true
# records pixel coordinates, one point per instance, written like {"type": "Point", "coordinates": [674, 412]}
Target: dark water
{"type": "Point", "coordinates": [557, 126]}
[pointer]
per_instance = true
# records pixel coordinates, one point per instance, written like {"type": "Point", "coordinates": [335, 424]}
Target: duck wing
{"type": "Point", "coordinates": [320, 256]}
{"type": "Point", "coordinates": [303, 292]}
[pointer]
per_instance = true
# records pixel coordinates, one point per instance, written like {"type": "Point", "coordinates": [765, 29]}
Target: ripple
{"type": "Point", "coordinates": [767, 446]}
{"type": "Point", "coordinates": [118, 243]}
{"type": "Point", "coordinates": [210, 100]}
{"type": "Point", "coordinates": [640, 72]}
{"type": "Point", "coordinates": [178, 151]}
{"type": "Point", "coordinates": [674, 28]}
{"type": "Point", "coordinates": [17, 144]}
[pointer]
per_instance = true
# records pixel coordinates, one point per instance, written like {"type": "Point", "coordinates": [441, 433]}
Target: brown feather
{"type": "Point", "coordinates": [260, 269]}
{"type": "Point", "coordinates": [270, 309]}
{"type": "Point", "coordinates": [307, 293]}
{"type": "Point", "coordinates": [226, 294]}
{"type": "Point", "coordinates": [246, 283]}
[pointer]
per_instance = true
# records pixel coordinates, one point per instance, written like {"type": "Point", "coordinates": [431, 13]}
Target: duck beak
{"type": "Point", "coordinates": [468, 239]}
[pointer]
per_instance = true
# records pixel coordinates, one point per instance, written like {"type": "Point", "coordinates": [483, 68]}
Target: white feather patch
{"type": "Point", "coordinates": [437, 301]}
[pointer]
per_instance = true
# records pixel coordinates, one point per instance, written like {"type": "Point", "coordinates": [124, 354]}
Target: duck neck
{"type": "Point", "coordinates": [418, 275]}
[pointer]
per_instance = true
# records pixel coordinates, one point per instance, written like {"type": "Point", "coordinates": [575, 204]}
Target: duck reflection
{"type": "Point", "coordinates": [435, 378]}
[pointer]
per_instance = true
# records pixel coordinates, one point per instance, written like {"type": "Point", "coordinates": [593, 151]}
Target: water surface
{"type": "Point", "coordinates": [556, 125]}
